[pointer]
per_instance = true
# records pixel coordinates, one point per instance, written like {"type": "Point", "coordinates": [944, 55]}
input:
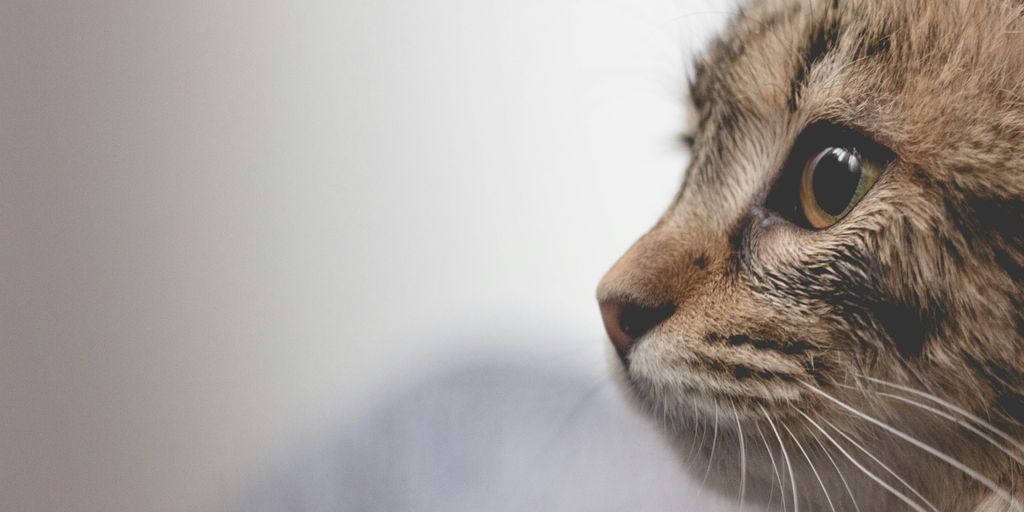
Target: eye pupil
{"type": "Point", "coordinates": [836, 173]}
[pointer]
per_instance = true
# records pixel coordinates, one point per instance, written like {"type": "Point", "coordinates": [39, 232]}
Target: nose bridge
{"type": "Point", "coordinates": [649, 283]}
{"type": "Point", "coordinates": [661, 266]}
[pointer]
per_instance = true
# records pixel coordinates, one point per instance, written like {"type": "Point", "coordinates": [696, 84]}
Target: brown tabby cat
{"type": "Point", "coordinates": [829, 315]}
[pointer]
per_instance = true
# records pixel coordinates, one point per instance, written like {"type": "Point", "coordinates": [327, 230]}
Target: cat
{"type": "Point", "coordinates": [829, 314]}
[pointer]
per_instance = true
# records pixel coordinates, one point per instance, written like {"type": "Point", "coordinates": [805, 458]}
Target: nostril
{"type": "Point", "coordinates": [626, 322]}
{"type": "Point", "coordinates": [637, 320]}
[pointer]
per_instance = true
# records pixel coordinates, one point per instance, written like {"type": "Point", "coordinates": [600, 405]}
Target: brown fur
{"type": "Point", "coordinates": [920, 285]}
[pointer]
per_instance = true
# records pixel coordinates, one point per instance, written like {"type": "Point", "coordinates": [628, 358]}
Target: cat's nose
{"type": "Point", "coordinates": [626, 322]}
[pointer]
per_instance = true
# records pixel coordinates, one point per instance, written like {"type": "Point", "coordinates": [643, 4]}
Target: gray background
{"type": "Point", "coordinates": [230, 231]}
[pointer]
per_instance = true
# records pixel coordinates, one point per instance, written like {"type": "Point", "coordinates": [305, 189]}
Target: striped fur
{"type": "Point", "coordinates": [919, 286]}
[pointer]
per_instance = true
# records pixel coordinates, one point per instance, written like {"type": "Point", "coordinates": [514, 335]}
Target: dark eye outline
{"type": "Point", "coordinates": [784, 197]}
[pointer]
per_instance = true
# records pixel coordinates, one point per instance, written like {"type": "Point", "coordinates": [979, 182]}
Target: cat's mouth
{"type": "Point", "coordinates": [730, 372]}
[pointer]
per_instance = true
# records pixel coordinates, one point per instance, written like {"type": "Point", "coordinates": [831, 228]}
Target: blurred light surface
{"type": "Point", "coordinates": [228, 227]}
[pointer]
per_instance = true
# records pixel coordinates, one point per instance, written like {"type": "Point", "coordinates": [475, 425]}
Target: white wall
{"type": "Point", "coordinates": [227, 225]}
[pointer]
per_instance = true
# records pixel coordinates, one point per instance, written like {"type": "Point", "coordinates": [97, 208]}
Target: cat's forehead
{"type": "Point", "coordinates": [920, 76]}
{"type": "Point", "coordinates": [774, 51]}
{"type": "Point", "coordinates": [781, 58]}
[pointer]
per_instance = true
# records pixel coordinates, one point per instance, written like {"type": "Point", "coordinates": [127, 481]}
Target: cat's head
{"type": "Point", "coordinates": [842, 266]}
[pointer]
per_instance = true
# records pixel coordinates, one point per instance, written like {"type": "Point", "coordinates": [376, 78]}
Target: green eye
{"type": "Point", "coordinates": [832, 183]}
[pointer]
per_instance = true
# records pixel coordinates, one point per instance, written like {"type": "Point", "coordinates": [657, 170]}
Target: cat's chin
{"type": "Point", "coordinates": [706, 436]}
{"type": "Point", "coordinates": [738, 446]}
{"type": "Point", "coordinates": [672, 389]}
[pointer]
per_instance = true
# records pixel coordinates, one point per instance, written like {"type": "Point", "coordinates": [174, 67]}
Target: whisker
{"type": "Point", "coordinates": [703, 433]}
{"type": "Point", "coordinates": [949, 405]}
{"type": "Point", "coordinates": [864, 470]}
{"type": "Point", "coordinates": [982, 479]}
{"type": "Point", "coordinates": [711, 457]}
{"type": "Point", "coordinates": [775, 468]}
{"type": "Point", "coordinates": [813, 469]}
{"type": "Point", "coordinates": [839, 472]}
{"type": "Point", "coordinates": [663, 416]}
{"type": "Point", "coordinates": [880, 463]}
{"type": "Point", "coordinates": [789, 466]}
{"type": "Point", "coordinates": [743, 457]}
{"type": "Point", "coordinates": [697, 420]}
{"type": "Point", "coordinates": [693, 438]}
{"type": "Point", "coordinates": [959, 421]}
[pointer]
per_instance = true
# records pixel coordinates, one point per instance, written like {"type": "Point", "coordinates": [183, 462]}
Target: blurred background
{"type": "Point", "coordinates": [232, 233]}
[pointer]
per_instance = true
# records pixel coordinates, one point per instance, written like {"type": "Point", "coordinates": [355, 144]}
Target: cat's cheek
{"type": "Point", "coordinates": [775, 241]}
{"type": "Point", "coordinates": [660, 358]}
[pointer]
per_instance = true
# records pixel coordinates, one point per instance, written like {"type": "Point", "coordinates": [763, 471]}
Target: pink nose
{"type": "Point", "coordinates": [626, 322]}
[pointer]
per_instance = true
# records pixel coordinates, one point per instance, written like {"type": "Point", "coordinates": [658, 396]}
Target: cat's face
{"type": "Point", "coordinates": [843, 262]}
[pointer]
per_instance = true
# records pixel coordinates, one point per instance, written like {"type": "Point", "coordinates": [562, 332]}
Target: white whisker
{"type": "Point", "coordinates": [775, 468]}
{"type": "Point", "coordinates": [789, 466]}
{"type": "Point", "coordinates": [711, 457]}
{"type": "Point", "coordinates": [982, 479]}
{"type": "Point", "coordinates": [703, 433]}
{"type": "Point", "coordinates": [882, 464]}
{"type": "Point", "coordinates": [949, 405]}
{"type": "Point", "coordinates": [864, 470]}
{"type": "Point", "coordinates": [813, 469]}
{"type": "Point", "coordinates": [693, 439]}
{"type": "Point", "coordinates": [959, 421]}
{"type": "Point", "coordinates": [743, 457]}
{"type": "Point", "coordinates": [839, 472]}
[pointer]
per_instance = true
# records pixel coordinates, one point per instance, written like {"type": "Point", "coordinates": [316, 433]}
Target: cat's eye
{"type": "Point", "coordinates": [830, 168]}
{"type": "Point", "coordinates": [833, 181]}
